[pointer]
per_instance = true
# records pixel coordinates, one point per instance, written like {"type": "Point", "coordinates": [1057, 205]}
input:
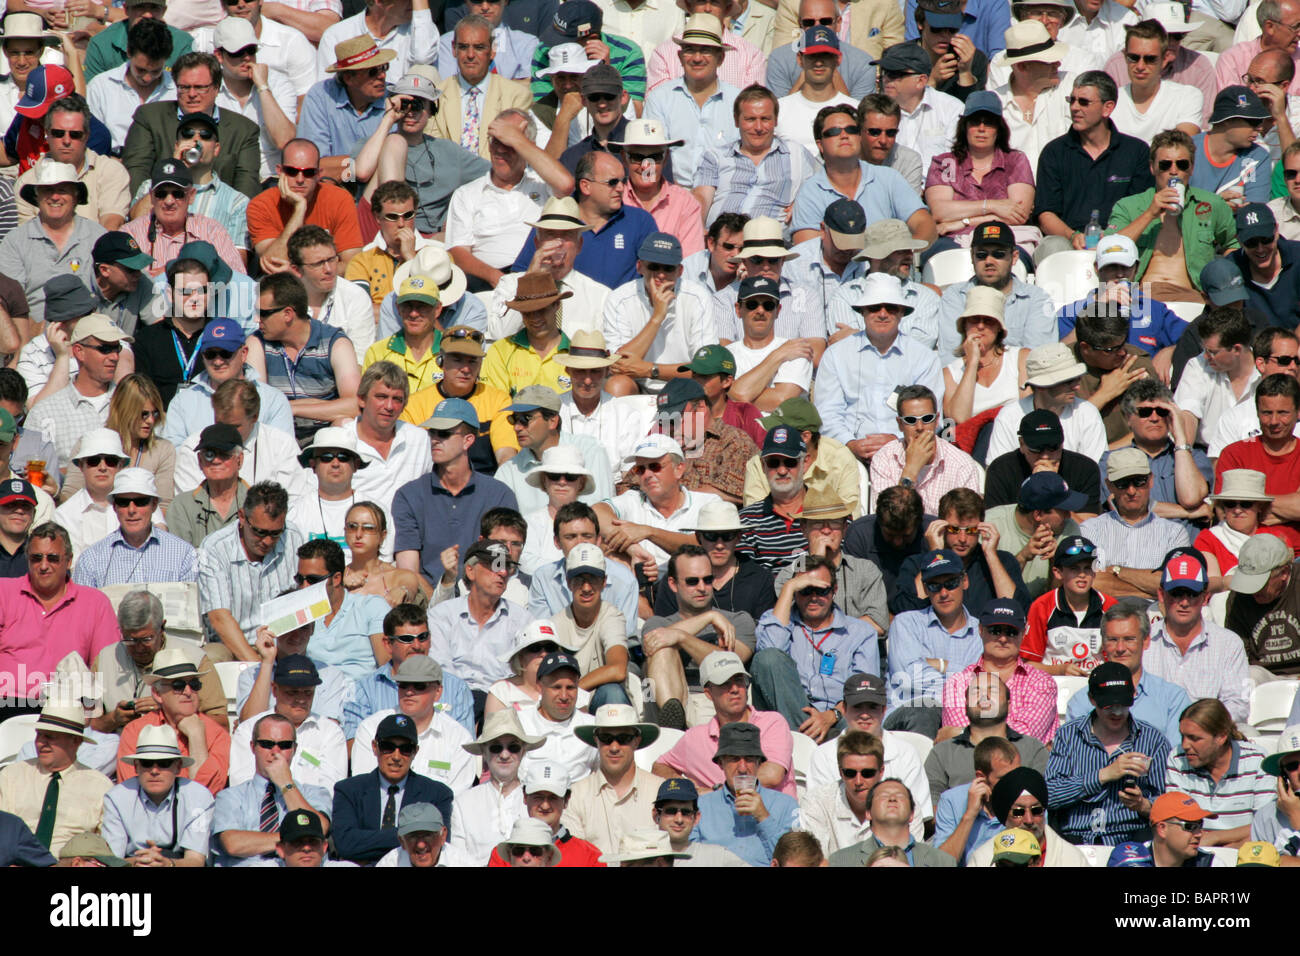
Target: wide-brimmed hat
{"type": "Point", "coordinates": [718, 516]}
{"type": "Point", "coordinates": [561, 460]}
{"type": "Point", "coordinates": [1052, 364]}
{"type": "Point", "coordinates": [536, 291]}
{"type": "Point", "coordinates": [434, 263]}
{"type": "Point", "coordinates": [1260, 556]}
{"type": "Point", "coordinates": [644, 844]}
{"type": "Point", "coordinates": [1288, 743]}
{"type": "Point", "coordinates": [58, 717]}
{"type": "Point", "coordinates": [134, 481]}
{"type": "Point", "coordinates": [49, 172]}
{"type": "Point", "coordinates": [986, 302]}
{"type": "Point", "coordinates": [645, 134]}
{"type": "Point", "coordinates": [335, 439]}
{"type": "Point", "coordinates": [1066, 6]}
{"type": "Point", "coordinates": [739, 739]}
{"type": "Point", "coordinates": [501, 723]}
{"type": "Point", "coordinates": [879, 288]}
{"type": "Point", "coordinates": [887, 236]}
{"type": "Point", "coordinates": [763, 236]}
{"type": "Point", "coordinates": [1028, 40]}
{"type": "Point", "coordinates": [99, 441]}
{"type": "Point", "coordinates": [158, 743]}
{"type": "Point", "coordinates": [537, 632]}
{"type": "Point", "coordinates": [27, 26]}
{"type": "Point", "coordinates": [529, 831]}
{"type": "Point", "coordinates": [359, 53]}
{"type": "Point", "coordinates": [561, 213]}
{"type": "Point", "coordinates": [1241, 484]}
{"type": "Point", "coordinates": [171, 663]}
{"type": "Point", "coordinates": [616, 715]}
{"type": "Point", "coordinates": [702, 29]}
{"type": "Point", "coordinates": [90, 845]}
{"type": "Point", "coordinates": [823, 504]}
{"type": "Point", "coordinates": [587, 349]}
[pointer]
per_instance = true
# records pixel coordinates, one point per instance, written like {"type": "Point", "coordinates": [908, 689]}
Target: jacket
{"type": "Point", "coordinates": [502, 94]}
{"type": "Point", "coordinates": [356, 816]}
{"type": "Point", "coordinates": [152, 137]}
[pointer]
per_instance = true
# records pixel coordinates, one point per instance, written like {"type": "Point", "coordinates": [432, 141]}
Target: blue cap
{"type": "Point", "coordinates": [759, 285]}
{"type": "Point", "coordinates": [1131, 854]}
{"type": "Point", "coordinates": [225, 334]}
{"type": "Point", "coordinates": [941, 14]}
{"type": "Point", "coordinates": [1254, 221]}
{"type": "Point", "coordinates": [296, 670]}
{"type": "Point", "coordinates": [1003, 611]}
{"type": "Point", "coordinates": [557, 660]}
{"type": "Point", "coordinates": [941, 564]}
{"type": "Point", "coordinates": [820, 39]}
{"type": "Point", "coordinates": [1047, 490]}
{"type": "Point", "coordinates": [451, 412]}
{"type": "Point", "coordinates": [784, 440]}
{"type": "Point", "coordinates": [678, 788]}
{"type": "Point", "coordinates": [660, 248]}
{"type": "Point", "coordinates": [982, 101]}
{"type": "Point", "coordinates": [1222, 283]}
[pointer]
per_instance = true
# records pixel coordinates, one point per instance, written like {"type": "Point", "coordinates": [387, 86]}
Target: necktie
{"type": "Point", "coordinates": [49, 809]}
{"type": "Point", "coordinates": [469, 131]}
{"type": "Point", "coordinates": [270, 816]}
{"type": "Point", "coordinates": [390, 808]}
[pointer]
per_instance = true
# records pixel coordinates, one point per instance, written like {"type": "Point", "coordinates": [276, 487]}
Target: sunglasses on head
{"type": "Point", "coordinates": [998, 254]}
{"type": "Point", "coordinates": [1147, 411]}
{"type": "Point", "coordinates": [156, 764]}
{"type": "Point", "coordinates": [852, 129]}
{"type": "Point", "coordinates": [713, 537]}
{"type": "Point", "coordinates": [515, 748]}
{"type": "Point", "coordinates": [1132, 481]}
{"type": "Point", "coordinates": [694, 580]}
{"type": "Point", "coordinates": [943, 584]}
{"type": "Point", "coordinates": [410, 638]}
{"type": "Point", "coordinates": [1183, 165]}
{"type": "Point", "coordinates": [72, 134]}
{"type": "Point", "coordinates": [1077, 549]}
{"type": "Point", "coordinates": [654, 467]}
{"type": "Point", "coordinates": [919, 419]}
{"type": "Point", "coordinates": [285, 745]}
{"type": "Point", "coordinates": [178, 686]}
{"type": "Point", "coordinates": [405, 747]}
{"type": "Point", "coordinates": [813, 591]}
{"type": "Point", "coordinates": [473, 334]}
{"type": "Point", "coordinates": [622, 739]}
{"type": "Point", "coordinates": [304, 579]}
{"type": "Point", "coordinates": [850, 774]}
{"type": "Point", "coordinates": [1035, 811]}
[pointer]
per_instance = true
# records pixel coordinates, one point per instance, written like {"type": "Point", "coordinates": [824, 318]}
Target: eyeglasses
{"type": "Point", "coordinates": [600, 97]}
{"type": "Point", "coordinates": [852, 129]}
{"type": "Point", "coordinates": [156, 764]}
{"type": "Point", "coordinates": [1283, 360]}
{"type": "Point", "coordinates": [150, 415]}
{"type": "Point", "coordinates": [103, 348]}
{"type": "Point", "coordinates": [285, 745]}
{"type": "Point", "coordinates": [410, 638]}
{"type": "Point", "coordinates": [178, 686]}
{"type": "Point", "coordinates": [202, 132]}
{"type": "Point", "coordinates": [332, 456]}
{"type": "Point", "coordinates": [713, 537]}
{"type": "Point", "coordinates": [1148, 411]}
{"type": "Point", "coordinates": [211, 455]}
{"type": "Point", "coordinates": [265, 533]}
{"type": "Point", "coordinates": [1190, 826]}
{"type": "Point", "coordinates": [919, 419]}
{"type": "Point", "coordinates": [998, 254]}
{"type": "Point", "coordinates": [405, 748]}
{"type": "Point", "coordinates": [129, 641]}
{"type": "Point", "coordinates": [1133, 481]}
{"type": "Point", "coordinates": [1017, 812]}
{"type": "Point", "coordinates": [875, 131]}
{"type": "Point", "coordinates": [1183, 164]}
{"type": "Point", "coordinates": [1290, 173]}
{"type": "Point", "coordinates": [758, 302]}
{"type": "Point", "coordinates": [850, 774]}
{"type": "Point", "coordinates": [543, 647]}
{"type": "Point", "coordinates": [780, 461]}
{"type": "Point", "coordinates": [959, 529]}
{"type": "Point", "coordinates": [1182, 594]}
{"type": "Point", "coordinates": [353, 526]}
{"type": "Point", "coordinates": [293, 172]}
{"type": "Point", "coordinates": [125, 501]}
{"type": "Point", "coordinates": [1150, 59]}
{"type": "Point", "coordinates": [267, 313]}
{"type": "Point", "coordinates": [1236, 505]}
{"type": "Point", "coordinates": [399, 216]}
{"type": "Point", "coordinates": [1004, 630]}
{"type": "Point", "coordinates": [512, 748]}
{"type": "Point", "coordinates": [374, 71]}
{"type": "Point", "coordinates": [659, 267]}
{"type": "Point", "coordinates": [522, 418]}
{"type": "Point", "coordinates": [694, 581]}
{"type": "Point", "coordinates": [1289, 27]}
{"type": "Point", "coordinates": [808, 22]}
{"type": "Point", "coordinates": [571, 479]}
{"type": "Point", "coordinates": [43, 558]}
{"type": "Point", "coordinates": [1106, 349]}
{"type": "Point", "coordinates": [517, 850]}
{"type": "Point", "coordinates": [94, 461]}
{"type": "Point", "coordinates": [943, 584]}
{"type": "Point", "coordinates": [615, 182]}
{"type": "Point", "coordinates": [73, 134]}
{"type": "Point", "coordinates": [444, 434]}
{"type": "Point", "coordinates": [654, 467]}
{"type": "Point", "coordinates": [813, 591]}
{"type": "Point", "coordinates": [419, 686]}
{"type": "Point", "coordinates": [193, 87]}
{"type": "Point", "coordinates": [1082, 101]}
{"type": "Point", "coordinates": [622, 739]}
{"type": "Point", "coordinates": [301, 579]}
{"type": "Point", "coordinates": [165, 193]}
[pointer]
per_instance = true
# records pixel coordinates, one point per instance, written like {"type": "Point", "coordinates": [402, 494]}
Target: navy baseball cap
{"type": "Point", "coordinates": [677, 394]}
{"type": "Point", "coordinates": [678, 788]}
{"type": "Point", "coordinates": [1111, 684]}
{"type": "Point", "coordinates": [941, 14]}
{"type": "Point", "coordinates": [1183, 568]}
{"type": "Point", "coordinates": [905, 57]}
{"type": "Point", "coordinates": [122, 249]}
{"type": "Point", "coordinates": [45, 84]}
{"type": "Point", "coordinates": [17, 489]}
{"type": "Point", "coordinates": [1222, 283]}
{"type": "Point", "coordinates": [820, 39]}
{"type": "Point", "coordinates": [170, 172]}
{"type": "Point", "coordinates": [1003, 611]}
{"type": "Point", "coordinates": [783, 440]}
{"type": "Point", "coordinates": [941, 564]}
{"type": "Point", "coordinates": [1254, 221]}
{"type": "Point", "coordinates": [1047, 490]}
{"type": "Point", "coordinates": [572, 20]}
{"type": "Point", "coordinates": [397, 726]}
{"type": "Point", "coordinates": [224, 334]}
{"type": "Point", "coordinates": [660, 248]}
{"type": "Point", "coordinates": [1074, 550]}
{"type": "Point", "coordinates": [557, 660]}
{"type": "Point", "coordinates": [846, 221]}
{"type": "Point", "coordinates": [296, 670]}
{"type": "Point", "coordinates": [1041, 429]}
{"type": "Point", "coordinates": [759, 285]}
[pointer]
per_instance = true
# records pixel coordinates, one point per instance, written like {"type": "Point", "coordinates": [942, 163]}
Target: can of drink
{"type": "Point", "coordinates": [193, 155]}
{"type": "Point", "coordinates": [1177, 183]}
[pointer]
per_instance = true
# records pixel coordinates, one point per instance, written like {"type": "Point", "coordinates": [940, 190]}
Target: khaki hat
{"type": "Point", "coordinates": [1052, 364]}
{"type": "Point", "coordinates": [462, 340]}
{"type": "Point", "coordinates": [498, 724]}
{"type": "Point", "coordinates": [823, 505]}
{"type": "Point", "coordinates": [561, 460]}
{"type": "Point", "coordinates": [434, 263]}
{"type": "Point", "coordinates": [64, 718]}
{"type": "Point", "coordinates": [1241, 484]}
{"type": "Point", "coordinates": [359, 53]}
{"type": "Point", "coordinates": [27, 26]}
{"type": "Point", "coordinates": [644, 844]}
{"type": "Point", "coordinates": [158, 743]}
{"type": "Point", "coordinates": [718, 516]}
{"type": "Point", "coordinates": [984, 301]}
{"type": "Point", "coordinates": [1028, 41]}
{"type": "Point", "coordinates": [92, 846]}
{"type": "Point", "coordinates": [529, 831]}
{"type": "Point", "coordinates": [100, 326]}
{"type": "Point", "coordinates": [587, 349]}
{"type": "Point", "coordinates": [561, 212]}
{"type": "Point", "coordinates": [536, 291]}
{"type": "Point", "coordinates": [1260, 556]}
{"type": "Point", "coordinates": [416, 85]}
{"type": "Point", "coordinates": [1127, 462]}
{"type": "Point", "coordinates": [887, 236]}
{"type": "Point", "coordinates": [613, 716]}
{"type": "Point", "coordinates": [703, 29]}
{"type": "Point", "coordinates": [763, 237]}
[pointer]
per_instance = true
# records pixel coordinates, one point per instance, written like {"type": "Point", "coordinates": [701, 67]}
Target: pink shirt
{"type": "Point", "coordinates": [951, 468]}
{"type": "Point", "coordinates": [675, 212]}
{"type": "Point", "coordinates": [1188, 68]}
{"type": "Point", "coordinates": [744, 63]}
{"type": "Point", "coordinates": [1234, 62]}
{"type": "Point", "coordinates": [33, 640]}
{"type": "Point", "coordinates": [692, 756]}
{"type": "Point", "coordinates": [165, 248]}
{"type": "Point", "coordinates": [1033, 701]}
{"type": "Point", "coordinates": [1008, 169]}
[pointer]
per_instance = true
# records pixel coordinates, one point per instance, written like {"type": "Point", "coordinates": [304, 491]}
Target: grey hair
{"type": "Point", "coordinates": [1268, 10]}
{"type": "Point", "coordinates": [1125, 610]}
{"type": "Point", "coordinates": [1143, 390]}
{"type": "Point", "coordinates": [139, 609]}
{"type": "Point", "coordinates": [475, 20]}
{"type": "Point", "coordinates": [531, 127]}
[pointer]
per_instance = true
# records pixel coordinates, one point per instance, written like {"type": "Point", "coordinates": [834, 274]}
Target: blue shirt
{"type": "Point", "coordinates": [191, 410]}
{"type": "Point", "coordinates": [1157, 702]}
{"type": "Point", "coordinates": [882, 193]}
{"type": "Point", "coordinates": [755, 190]}
{"type": "Point", "coordinates": [328, 119]}
{"type": "Point", "coordinates": [947, 816]}
{"type": "Point", "coordinates": [19, 846]}
{"type": "Point", "coordinates": [345, 641]}
{"type": "Point", "coordinates": [702, 127]}
{"type": "Point", "coordinates": [549, 592]}
{"type": "Point", "coordinates": [1029, 316]}
{"type": "Point", "coordinates": [1152, 325]}
{"type": "Point", "coordinates": [429, 519]}
{"type": "Point", "coordinates": [240, 808]}
{"type": "Point", "coordinates": [1085, 810]}
{"type": "Point", "coordinates": [750, 840]}
{"type": "Point", "coordinates": [1280, 301]}
{"type": "Point", "coordinates": [855, 380]}
{"type": "Point", "coordinates": [378, 691]}
{"type": "Point", "coordinates": [1257, 187]}
{"type": "Point", "coordinates": [917, 635]}
{"type": "Point", "coordinates": [824, 658]}
{"type": "Point", "coordinates": [132, 819]}
{"type": "Point", "coordinates": [111, 560]}
{"type": "Point", "coordinates": [609, 254]}
{"type": "Point", "coordinates": [1163, 487]}
{"type": "Point", "coordinates": [810, 271]}
{"type": "Point", "coordinates": [984, 21]}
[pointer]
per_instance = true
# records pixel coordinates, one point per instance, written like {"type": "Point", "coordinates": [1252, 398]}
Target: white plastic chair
{"type": "Point", "coordinates": [918, 742]}
{"type": "Point", "coordinates": [1067, 685]}
{"type": "Point", "coordinates": [1019, 270]}
{"type": "Point", "coordinates": [804, 748]}
{"type": "Point", "coordinates": [1095, 855]}
{"type": "Point", "coordinates": [1224, 855]}
{"type": "Point", "coordinates": [1187, 311]}
{"type": "Point", "coordinates": [646, 756]}
{"type": "Point", "coordinates": [1219, 607]}
{"type": "Point", "coordinates": [948, 267]}
{"type": "Point", "coordinates": [1270, 705]}
{"type": "Point", "coordinates": [1068, 276]}
{"type": "Point", "coordinates": [15, 732]}
{"type": "Point", "coordinates": [864, 489]}
{"type": "Point", "coordinates": [228, 672]}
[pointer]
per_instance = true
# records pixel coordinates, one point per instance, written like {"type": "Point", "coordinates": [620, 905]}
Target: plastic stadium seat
{"type": "Point", "coordinates": [1219, 607]}
{"type": "Point", "coordinates": [1224, 855]}
{"type": "Point", "coordinates": [1270, 705]}
{"type": "Point", "coordinates": [15, 732]}
{"type": "Point", "coordinates": [1067, 685]}
{"type": "Point", "coordinates": [646, 756]}
{"type": "Point", "coordinates": [229, 672]}
{"type": "Point", "coordinates": [1095, 855]}
{"type": "Point", "coordinates": [804, 748]}
{"type": "Point", "coordinates": [864, 489]}
{"type": "Point", "coordinates": [948, 267]}
{"type": "Point", "coordinates": [1068, 276]}
{"type": "Point", "coordinates": [1187, 311]}
{"type": "Point", "coordinates": [919, 742]}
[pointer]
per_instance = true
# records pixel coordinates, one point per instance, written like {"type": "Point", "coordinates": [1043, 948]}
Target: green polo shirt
{"type": "Point", "coordinates": [1207, 226]}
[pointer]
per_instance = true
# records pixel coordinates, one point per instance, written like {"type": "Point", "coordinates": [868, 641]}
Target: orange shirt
{"type": "Point", "coordinates": [212, 774]}
{"type": "Point", "coordinates": [333, 209]}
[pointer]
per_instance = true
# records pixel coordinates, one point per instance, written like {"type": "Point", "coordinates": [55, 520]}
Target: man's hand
{"type": "Point", "coordinates": [406, 243]}
{"type": "Point", "coordinates": [1273, 97]}
{"type": "Point", "coordinates": [635, 368]}
{"type": "Point", "coordinates": [596, 49]}
{"type": "Point", "coordinates": [1079, 241]}
{"type": "Point", "coordinates": [725, 630]}
{"type": "Point", "coordinates": [273, 264]}
{"type": "Point", "coordinates": [1177, 427]}
{"type": "Point", "coordinates": [818, 724]}
{"type": "Point", "coordinates": [1127, 764]}
{"type": "Point", "coordinates": [796, 349]}
{"type": "Point", "coordinates": [191, 728]}
{"type": "Point", "coordinates": [548, 257]}
{"type": "Point", "coordinates": [123, 715]}
{"type": "Point", "coordinates": [989, 538]}
{"type": "Point", "coordinates": [261, 73]}
{"type": "Point", "coordinates": [508, 133]}
{"type": "Point", "coordinates": [626, 534]}
{"type": "Point", "coordinates": [934, 534]}
{"type": "Point", "coordinates": [649, 566]}
{"type": "Point", "coordinates": [920, 452]}
{"type": "Point", "coordinates": [264, 644]}
{"type": "Point", "coordinates": [868, 445]}
{"type": "Point", "coordinates": [288, 195]}
{"type": "Point", "coordinates": [1116, 382]}
{"type": "Point", "coordinates": [1047, 464]}
{"type": "Point", "coordinates": [944, 69]}
{"type": "Point", "coordinates": [1288, 804]}
{"type": "Point", "coordinates": [145, 705]}
{"type": "Point", "coordinates": [1164, 201]}
{"type": "Point", "coordinates": [1132, 798]}
{"type": "Point", "coordinates": [662, 295]}
{"type": "Point", "coordinates": [450, 558]}
{"type": "Point", "coordinates": [750, 804]}
{"type": "Point", "coordinates": [975, 797]}
{"type": "Point", "coordinates": [963, 47]}
{"type": "Point", "coordinates": [660, 639]}
{"type": "Point", "coordinates": [277, 769]}
{"type": "Point", "coordinates": [56, 333]}
{"type": "Point", "coordinates": [1234, 198]}
{"type": "Point", "coordinates": [149, 855]}
{"type": "Point", "coordinates": [1042, 544]}
{"type": "Point", "coordinates": [570, 106]}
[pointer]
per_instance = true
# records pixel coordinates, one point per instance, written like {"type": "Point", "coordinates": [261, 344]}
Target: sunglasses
{"type": "Point", "coordinates": [758, 302]}
{"type": "Point", "coordinates": [850, 774]}
{"type": "Point", "coordinates": [637, 158]}
{"type": "Point", "coordinates": [543, 647]}
{"type": "Point", "coordinates": [1234, 505]}
{"type": "Point", "coordinates": [178, 686]}
{"type": "Point", "coordinates": [1257, 241]}
{"type": "Point", "coordinates": [1106, 349]}
{"type": "Point", "coordinates": [156, 764]}
{"type": "Point", "coordinates": [1035, 811]}
{"type": "Point", "coordinates": [1290, 174]}
{"type": "Point", "coordinates": [150, 415]}
{"type": "Point", "coordinates": [622, 739]}
{"type": "Point", "coordinates": [1191, 826]}
{"type": "Point", "coordinates": [1148, 411]}
{"type": "Point", "coordinates": [410, 638]}
{"type": "Point", "coordinates": [852, 129]}
{"type": "Point", "coordinates": [659, 267]}
{"type": "Point", "coordinates": [405, 748]}
{"type": "Point", "coordinates": [1082, 101]}
{"type": "Point", "coordinates": [654, 467]}
{"type": "Point", "coordinates": [267, 313]}
{"type": "Point", "coordinates": [212, 355]}
{"type": "Point", "coordinates": [43, 558]}
{"type": "Point", "coordinates": [676, 811]}
{"type": "Point", "coordinates": [998, 254]}
{"type": "Point", "coordinates": [202, 132]}
{"type": "Point", "coordinates": [303, 579]}
{"type": "Point", "coordinates": [210, 455]}
{"type": "Point", "coordinates": [1133, 481]}
{"type": "Point", "coordinates": [807, 22]}
{"type": "Point", "coordinates": [375, 71]}
{"type": "Point", "coordinates": [110, 348]}
{"type": "Point", "coordinates": [713, 537]}
{"type": "Point", "coordinates": [399, 216]}
{"type": "Point", "coordinates": [332, 456]}
{"type": "Point", "coordinates": [1183, 594]}
{"type": "Point", "coordinates": [694, 580]}
{"type": "Point", "coordinates": [615, 182]}
{"type": "Point", "coordinates": [944, 584]}
{"type": "Point", "coordinates": [285, 745]}
{"type": "Point", "coordinates": [125, 501]}
{"type": "Point", "coordinates": [958, 529]}
{"type": "Point", "coordinates": [522, 418]}
{"type": "Point", "coordinates": [293, 172]}
{"type": "Point", "coordinates": [1004, 630]}
{"type": "Point", "coordinates": [169, 193]}
{"type": "Point", "coordinates": [419, 686]}
{"type": "Point", "coordinates": [1077, 549]}
{"type": "Point", "coordinates": [446, 434]}
{"type": "Point", "coordinates": [571, 479]}
{"type": "Point", "coordinates": [780, 461]}
{"type": "Point", "coordinates": [264, 533]}
{"type": "Point", "coordinates": [1183, 165]}
{"type": "Point", "coordinates": [876, 131]}
{"type": "Point", "coordinates": [75, 135]}
{"type": "Point", "coordinates": [600, 97]}
{"type": "Point", "coordinates": [1283, 360]}
{"type": "Point", "coordinates": [919, 419]}
{"type": "Point", "coordinates": [1147, 58]}
{"type": "Point", "coordinates": [94, 461]}
{"type": "Point", "coordinates": [512, 748]}
{"type": "Point", "coordinates": [814, 591]}
{"type": "Point", "coordinates": [473, 334]}
{"type": "Point", "coordinates": [518, 851]}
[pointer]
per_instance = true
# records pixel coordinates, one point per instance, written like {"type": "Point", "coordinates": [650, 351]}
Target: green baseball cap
{"type": "Point", "coordinates": [711, 360]}
{"type": "Point", "coordinates": [8, 427]}
{"type": "Point", "coordinates": [795, 413]}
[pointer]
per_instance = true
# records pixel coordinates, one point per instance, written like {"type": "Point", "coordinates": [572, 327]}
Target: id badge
{"type": "Point", "coordinates": [828, 665]}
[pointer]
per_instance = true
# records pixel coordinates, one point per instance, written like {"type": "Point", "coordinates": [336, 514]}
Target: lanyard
{"type": "Point", "coordinates": [187, 365]}
{"type": "Point", "coordinates": [817, 645]}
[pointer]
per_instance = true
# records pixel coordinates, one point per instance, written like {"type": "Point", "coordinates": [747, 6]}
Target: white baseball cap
{"type": "Point", "coordinates": [1116, 250]}
{"type": "Point", "coordinates": [656, 446]}
{"type": "Point", "coordinates": [568, 58]}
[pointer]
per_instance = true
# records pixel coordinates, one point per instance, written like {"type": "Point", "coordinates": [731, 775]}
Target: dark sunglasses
{"type": "Point", "coordinates": [522, 418]}
{"type": "Point", "coordinates": [1082, 101]}
{"type": "Point", "coordinates": [543, 647]}
{"type": "Point", "coordinates": [405, 748]}
{"type": "Point", "coordinates": [302, 579]}
{"type": "Point", "coordinates": [638, 158]}
{"type": "Point", "coordinates": [1257, 241]}
{"type": "Point", "coordinates": [43, 558]}
{"type": "Point", "coordinates": [331, 456]}
{"type": "Point", "coordinates": [1183, 165]}
{"type": "Point", "coordinates": [211, 355]}
{"type": "Point", "coordinates": [654, 467]}
{"type": "Point", "coordinates": [410, 638]}
{"type": "Point", "coordinates": [419, 686]}
{"type": "Point", "coordinates": [944, 584]}
{"type": "Point", "coordinates": [758, 302]}
{"type": "Point", "coordinates": [156, 764]}
{"type": "Point", "coordinates": [780, 461]}
{"type": "Point", "coordinates": [1147, 411]}
{"type": "Point", "coordinates": [600, 97]}
{"type": "Point", "coordinates": [1133, 481]}
{"type": "Point", "coordinates": [209, 455]}
{"type": "Point", "coordinates": [193, 683]}
{"type": "Point", "coordinates": [694, 580]}
{"type": "Point", "coordinates": [850, 774]}
{"type": "Point", "coordinates": [1231, 505]}
{"type": "Point", "coordinates": [285, 745]}
{"type": "Point", "coordinates": [713, 537]}
{"type": "Point", "coordinates": [267, 313]}
{"type": "Point", "coordinates": [808, 22]}
{"type": "Point", "coordinates": [813, 591]}
{"type": "Point", "coordinates": [571, 479]}
{"type": "Point", "coordinates": [1283, 360]}
{"type": "Point", "coordinates": [306, 172]}
{"type": "Point", "coordinates": [202, 132]}
{"type": "Point", "coordinates": [512, 748]}
{"type": "Point", "coordinates": [374, 71]}
{"type": "Point", "coordinates": [1290, 174]}
{"type": "Point", "coordinates": [875, 131]}
{"type": "Point", "coordinates": [998, 254]}
{"type": "Point", "coordinates": [445, 434]}
{"type": "Point", "coordinates": [1147, 58]}
{"type": "Point", "coordinates": [94, 461]}
{"type": "Point", "coordinates": [72, 134]}
{"type": "Point", "coordinates": [1017, 812]}
{"type": "Point", "coordinates": [104, 348]}
{"type": "Point", "coordinates": [622, 739]}
{"type": "Point", "coordinates": [473, 334]}
{"type": "Point", "coordinates": [1183, 594]}
{"type": "Point", "coordinates": [264, 533]}
{"type": "Point", "coordinates": [919, 419]}
{"type": "Point", "coordinates": [519, 850]}
{"type": "Point", "coordinates": [165, 193]}
{"type": "Point", "coordinates": [125, 501]}
{"type": "Point", "coordinates": [676, 811]}
{"type": "Point", "coordinates": [852, 129]}
{"type": "Point", "coordinates": [659, 267]}
{"type": "Point", "coordinates": [1105, 349]}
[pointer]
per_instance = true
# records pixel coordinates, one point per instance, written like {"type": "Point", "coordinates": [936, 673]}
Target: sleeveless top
{"type": "Point", "coordinates": [310, 376]}
{"type": "Point", "coordinates": [1005, 387]}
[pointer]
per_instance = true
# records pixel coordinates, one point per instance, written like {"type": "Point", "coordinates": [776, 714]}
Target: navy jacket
{"type": "Point", "coordinates": [19, 846]}
{"type": "Point", "coordinates": [357, 812]}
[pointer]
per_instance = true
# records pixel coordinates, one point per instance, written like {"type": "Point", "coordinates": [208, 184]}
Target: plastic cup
{"type": "Point", "coordinates": [36, 472]}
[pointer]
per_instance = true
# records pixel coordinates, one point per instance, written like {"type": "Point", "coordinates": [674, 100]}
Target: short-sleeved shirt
{"type": "Point", "coordinates": [692, 755]}
{"type": "Point", "coordinates": [33, 640]}
{"type": "Point", "coordinates": [429, 519]}
{"type": "Point", "coordinates": [333, 209]}
{"type": "Point", "coordinates": [883, 194]}
{"type": "Point", "coordinates": [608, 254]}
{"type": "Point", "coordinates": [1071, 184]}
{"type": "Point", "coordinates": [1248, 171]}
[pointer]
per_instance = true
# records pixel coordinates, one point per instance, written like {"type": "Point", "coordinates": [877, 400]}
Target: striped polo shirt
{"type": "Point", "coordinates": [769, 538]}
{"type": "Point", "coordinates": [309, 376]}
{"type": "Point", "coordinates": [624, 56]}
{"type": "Point", "coordinates": [1244, 788]}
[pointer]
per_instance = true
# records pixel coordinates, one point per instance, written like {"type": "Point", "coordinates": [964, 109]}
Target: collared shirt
{"type": "Point", "coordinates": [1243, 790]}
{"type": "Point", "coordinates": [1070, 183]}
{"type": "Point", "coordinates": [1085, 810]}
{"type": "Point", "coordinates": [86, 521]}
{"type": "Point", "coordinates": [1033, 700]}
{"type": "Point", "coordinates": [114, 101]}
{"type": "Point", "coordinates": [107, 48]}
{"type": "Point", "coordinates": [1048, 118]}
{"type": "Point", "coordinates": [1129, 544]}
{"type": "Point", "coordinates": [164, 246]}
{"type": "Point", "coordinates": [743, 64]}
{"type": "Point", "coordinates": [420, 372]}
{"type": "Point", "coordinates": [230, 580]}
{"type": "Point", "coordinates": [113, 560]}
{"type": "Point", "coordinates": [330, 120]}
{"type": "Point", "coordinates": [1214, 665]}
{"type": "Point", "coordinates": [1281, 298]}
{"type": "Point", "coordinates": [597, 814]}
{"type": "Point", "coordinates": [81, 798]}
{"type": "Point", "coordinates": [647, 24]}
{"type": "Point", "coordinates": [335, 689]}
{"type": "Point", "coordinates": [701, 127]}
{"type": "Point", "coordinates": [825, 813]}
{"type": "Point", "coordinates": [475, 653]}
{"type": "Point", "coordinates": [1156, 701]}
{"type": "Point", "coordinates": [269, 455]}
{"type": "Point", "coordinates": [413, 41]}
{"type": "Point", "coordinates": [947, 817]}
{"type": "Point", "coordinates": [608, 254]}
{"type": "Point", "coordinates": [409, 457]}
{"type": "Point", "coordinates": [688, 325]}
{"type": "Point", "coordinates": [764, 188]}
{"type": "Point", "coordinates": [481, 818]}
{"type": "Point", "coordinates": [675, 212]}
{"type": "Point", "coordinates": [489, 219]}
{"type": "Point", "coordinates": [1152, 324]}
{"type": "Point", "coordinates": [308, 375]}
{"type": "Point", "coordinates": [1206, 225]}
{"type": "Point", "coordinates": [901, 761]}
{"type": "Point", "coordinates": [749, 839]}
{"type": "Point", "coordinates": [218, 201]}
{"type": "Point", "coordinates": [1162, 469]}
{"type": "Point", "coordinates": [440, 757]}
{"type": "Point", "coordinates": [512, 54]}
{"type": "Point", "coordinates": [634, 506]}
{"type": "Point", "coordinates": [549, 593]}
{"type": "Point", "coordinates": [953, 760]}
{"type": "Point", "coordinates": [616, 424]}
{"type": "Point", "coordinates": [190, 411]}
{"type": "Point", "coordinates": [915, 636]}
{"type": "Point", "coordinates": [1103, 35]}
{"type": "Point", "coordinates": [132, 820]}
{"type": "Point", "coordinates": [33, 640]}
{"type": "Point", "coordinates": [951, 468]}
{"type": "Point", "coordinates": [1036, 573]}
{"type": "Point", "coordinates": [800, 315]}
{"type": "Point", "coordinates": [882, 193]}
{"type": "Point", "coordinates": [928, 128]}
{"type": "Point", "coordinates": [1010, 168]}
{"type": "Point", "coordinates": [1288, 219]}
{"type": "Point", "coordinates": [427, 518]}
{"type": "Point", "coordinates": [514, 473]}
{"type": "Point", "coordinates": [378, 691]}
{"type": "Point", "coordinates": [29, 257]}
{"type": "Point", "coordinates": [1248, 170]}
{"type": "Point", "coordinates": [350, 308]}
{"type": "Point", "coordinates": [192, 517]}
{"type": "Point", "coordinates": [286, 52]}
{"type": "Point", "coordinates": [513, 363]}
{"type": "Point", "coordinates": [824, 657]}
{"type": "Point", "coordinates": [922, 323]}
{"type": "Point", "coordinates": [561, 745]}
{"type": "Point", "coordinates": [855, 379]}
{"type": "Point", "coordinates": [239, 807]}
{"type": "Point", "coordinates": [212, 773]}
{"type": "Point", "coordinates": [1080, 421]}
{"type": "Point", "coordinates": [692, 755]}
{"type": "Point", "coordinates": [769, 538]}
{"type": "Point", "coordinates": [1030, 316]}
{"type": "Point", "coordinates": [811, 271]}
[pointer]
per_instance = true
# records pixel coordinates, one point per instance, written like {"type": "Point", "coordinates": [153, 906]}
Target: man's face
{"type": "Point", "coordinates": [858, 773]}
{"type": "Point", "coordinates": [604, 107]}
{"type": "Point", "coordinates": [881, 321]}
{"type": "Point", "coordinates": [309, 852]}
{"type": "Point", "coordinates": [604, 190]}
{"type": "Point", "coordinates": [1113, 717]}
{"type": "Point", "coordinates": [115, 279]}
{"type": "Point", "coordinates": [962, 535]}
{"type": "Point", "coordinates": [721, 545]}
{"type": "Point", "coordinates": [394, 216]}
{"type": "Point", "coordinates": [559, 694]}
{"type": "Point", "coordinates": [999, 769]}
{"type": "Point", "coordinates": [368, 84]}
{"type": "Point", "coordinates": [587, 383]}
{"type": "Point", "coordinates": [1132, 493]}
{"type": "Point", "coordinates": [659, 276]}
{"type": "Point", "coordinates": [617, 748]}
{"type": "Point", "coordinates": [897, 264]}
{"type": "Point", "coordinates": [418, 318]}
{"type": "Point", "coordinates": [864, 716]}
{"type": "Point", "coordinates": [1087, 111]}
{"type": "Point", "coordinates": [1144, 60]}
{"type": "Point", "coordinates": [1028, 812]}
{"type": "Point", "coordinates": [879, 136]}
{"type": "Point", "coordinates": [700, 63]}
{"type": "Point", "coordinates": [758, 315]}
{"type": "Point", "coordinates": [1202, 748]}
{"type": "Point", "coordinates": [381, 406]}
{"type": "Point", "coordinates": [277, 732]}
{"type": "Point", "coordinates": [134, 513]}
{"type": "Point", "coordinates": [986, 699]}
{"type": "Point", "coordinates": [171, 203]}
{"type": "Point", "coordinates": [816, 601]}
{"type": "Point", "coordinates": [693, 582]}
{"type": "Point", "coordinates": [67, 136]}
{"type": "Point", "coordinates": [840, 138]}
{"type": "Point", "coordinates": [570, 244]}
{"type": "Point", "coordinates": [891, 804]}
{"type": "Point", "coordinates": [142, 644]}
{"type": "Point", "coordinates": [677, 818]}
{"type": "Point", "coordinates": [737, 766]}
{"type": "Point", "coordinates": [273, 320]}
{"type": "Point", "coordinates": [394, 756]}
{"type": "Point", "coordinates": [1282, 361]}
{"type": "Point", "coordinates": [757, 124]}
{"type": "Point", "coordinates": [56, 751]}
{"type": "Point", "coordinates": [1183, 605]}
{"type": "Point", "coordinates": [199, 136]}
{"type": "Point", "coordinates": [1049, 16]}
{"type": "Point", "coordinates": [818, 67]}
{"type": "Point", "coordinates": [56, 202]}
{"type": "Point", "coordinates": [1276, 584]}
{"type": "Point", "coordinates": [190, 294]}
{"type": "Point", "coordinates": [659, 477]}
{"type": "Point", "coordinates": [244, 9]}
{"type": "Point", "coordinates": [408, 640]}
{"type": "Point", "coordinates": [219, 465]}
{"type": "Point", "coordinates": [916, 409]}
{"type": "Point", "coordinates": [423, 847]}
{"type": "Point", "coordinates": [722, 249]}
{"type": "Point", "coordinates": [992, 264]}
{"type": "Point", "coordinates": [489, 577]}
{"type": "Point", "coordinates": [503, 758]}
{"type": "Point", "coordinates": [586, 589]}
{"type": "Point", "coordinates": [827, 533]}
{"type": "Point", "coordinates": [295, 702]}
{"type": "Point", "coordinates": [449, 445]}
{"type": "Point", "coordinates": [1104, 355]}
{"type": "Point", "coordinates": [416, 698]}
{"type": "Point", "coordinates": [157, 776]}
{"type": "Point", "coordinates": [178, 697]}
{"type": "Point", "coordinates": [300, 165]}
{"type": "Point", "coordinates": [1149, 422]}
{"type": "Point", "coordinates": [1283, 32]}
{"type": "Point", "coordinates": [784, 474]}
{"type": "Point", "coordinates": [1077, 578]}
{"type": "Point", "coordinates": [472, 47]}
{"type": "Point", "coordinates": [937, 40]}
{"type": "Point", "coordinates": [731, 698]}
{"type": "Point", "coordinates": [946, 593]}
{"type": "Point", "coordinates": [546, 807]}
{"type": "Point", "coordinates": [903, 87]}
{"type": "Point", "coordinates": [1182, 838]}
{"type": "Point", "coordinates": [259, 531]}
{"type": "Point", "coordinates": [1054, 518]}
{"type": "Point", "coordinates": [1001, 640]}
{"type": "Point", "coordinates": [533, 427]}
{"type": "Point", "coordinates": [24, 56]}
{"type": "Point", "coordinates": [48, 563]}
{"type": "Point", "coordinates": [460, 372]}
{"type": "Point", "coordinates": [507, 165]}
{"type": "Point", "coordinates": [1122, 642]}
{"type": "Point", "coordinates": [221, 365]}
{"type": "Point", "coordinates": [1058, 396]}
{"type": "Point", "coordinates": [1171, 161]}
{"type": "Point", "coordinates": [196, 91]}
{"type": "Point", "coordinates": [16, 518]}
{"type": "Point", "coordinates": [575, 532]}
{"type": "Point", "coordinates": [645, 165]}
{"type": "Point", "coordinates": [1277, 418]}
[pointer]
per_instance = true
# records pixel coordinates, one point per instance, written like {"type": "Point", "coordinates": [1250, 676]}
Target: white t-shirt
{"type": "Point", "coordinates": [796, 115]}
{"type": "Point", "coordinates": [1174, 103]}
{"type": "Point", "coordinates": [318, 518]}
{"type": "Point", "coordinates": [792, 372]}
{"type": "Point", "coordinates": [1084, 430]}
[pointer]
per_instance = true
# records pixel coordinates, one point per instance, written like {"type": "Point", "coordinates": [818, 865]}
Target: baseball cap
{"type": "Point", "coordinates": [300, 825]}
{"type": "Point", "coordinates": [205, 119]}
{"type": "Point", "coordinates": [413, 84]}
{"type": "Point", "coordinates": [993, 234]}
{"type": "Point", "coordinates": [584, 558]}
{"type": "Point", "coordinates": [487, 551]}
{"type": "Point", "coordinates": [451, 412]}
{"type": "Point", "coordinates": [532, 397]}
{"type": "Point", "coordinates": [16, 489]}
{"type": "Point", "coordinates": [1003, 611]}
{"type": "Point", "coordinates": [1237, 102]}
{"type": "Point", "coordinates": [719, 667]}
{"type": "Point", "coordinates": [1222, 283]}
{"type": "Point", "coordinates": [711, 360]}
{"type": "Point", "coordinates": [1287, 743]}
{"type": "Point", "coordinates": [601, 78]}
{"type": "Point", "coordinates": [99, 326]}
{"type": "Point", "coordinates": [296, 670]}
{"type": "Point", "coordinates": [941, 564]}
{"type": "Point", "coordinates": [572, 20]}
{"type": "Point", "coordinates": [1254, 221]}
{"type": "Point", "coordinates": [1258, 853]}
{"type": "Point", "coordinates": [1260, 556]}
{"type": "Point", "coordinates": [1131, 855]}
{"type": "Point", "coordinates": [678, 788]}
{"type": "Point", "coordinates": [1116, 250]}
{"type": "Point", "coordinates": [759, 285]}
{"type": "Point", "coordinates": [232, 35]}
{"type": "Point", "coordinates": [904, 58]}
{"type": "Point", "coordinates": [1074, 550]}
{"type": "Point", "coordinates": [170, 171]}
{"type": "Point", "coordinates": [557, 660]}
{"type": "Point", "coordinates": [981, 101]}
{"type": "Point", "coordinates": [1176, 805]}
{"type": "Point", "coordinates": [205, 252]}
{"type": "Point", "coordinates": [656, 446]}
{"type": "Point", "coordinates": [864, 689]}
{"type": "Point", "coordinates": [1111, 684]}
{"type": "Point", "coordinates": [220, 438]}
{"type": "Point", "coordinates": [1016, 845]}
{"type": "Point", "coordinates": [419, 818]}
{"type": "Point", "coordinates": [546, 777]}
{"type": "Point", "coordinates": [1041, 429]}
{"type": "Point", "coordinates": [419, 669]}
{"type": "Point", "coordinates": [798, 413]}
{"type": "Point", "coordinates": [941, 14]}
{"type": "Point", "coordinates": [397, 726]}
{"type": "Point", "coordinates": [846, 221]}
{"type": "Point", "coordinates": [224, 334]}
{"type": "Point", "coordinates": [1047, 490]}
{"type": "Point", "coordinates": [677, 394]}
{"type": "Point", "coordinates": [119, 248]}
{"type": "Point", "coordinates": [1127, 463]}
{"type": "Point", "coordinates": [1183, 569]}
{"type": "Point", "coordinates": [661, 249]}
{"type": "Point", "coordinates": [783, 440]}
{"type": "Point", "coordinates": [820, 39]}
{"type": "Point", "coordinates": [45, 84]}
{"type": "Point", "coordinates": [418, 289]}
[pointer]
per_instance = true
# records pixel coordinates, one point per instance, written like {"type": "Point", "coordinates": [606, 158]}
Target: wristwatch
{"type": "Point", "coordinates": [654, 372]}
{"type": "Point", "coordinates": [907, 482]}
{"type": "Point", "coordinates": [289, 786]}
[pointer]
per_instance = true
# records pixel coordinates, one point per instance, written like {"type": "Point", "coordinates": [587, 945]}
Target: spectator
{"type": "Point", "coordinates": [1035, 102]}
{"type": "Point", "coordinates": [555, 718]}
{"type": "Point", "coordinates": [1053, 375]}
{"type": "Point", "coordinates": [738, 585]}
{"type": "Point", "coordinates": [1243, 506]}
{"type": "Point", "coordinates": [167, 352]}
{"type": "Point", "coordinates": [1264, 586]}
{"type": "Point", "coordinates": [482, 812]}
{"type": "Point", "coordinates": [17, 515]}
{"type": "Point", "coordinates": [1236, 165]}
{"type": "Point", "coordinates": [964, 818]}
{"type": "Point", "coordinates": [920, 459]}
{"type": "Point", "coordinates": [879, 26]}
{"type": "Point", "coordinates": [86, 513]}
{"type": "Point", "coordinates": [1276, 828]}
{"type": "Point", "coordinates": [588, 410]}
{"type": "Point", "coordinates": [340, 112]}
{"type": "Point", "coordinates": [616, 735]}
{"type": "Point", "coordinates": [1021, 795]}
{"type": "Point", "coordinates": [889, 807]}
{"type": "Point", "coordinates": [818, 58]}
{"type": "Point", "coordinates": [170, 221]}
{"type": "Point", "coordinates": [770, 537]}
{"type": "Point", "coordinates": [676, 812]}
{"type": "Point", "coordinates": [1147, 101]}
{"type": "Point", "coordinates": [958, 67]}
{"type": "Point", "coordinates": [1265, 261]}
{"type": "Point", "coordinates": [1112, 365]}
{"type": "Point", "coordinates": [928, 116]}
{"type": "Point", "coordinates": [593, 630]}
{"type": "Point", "coordinates": [723, 812]}
{"type": "Point", "coordinates": [119, 292]}
{"type": "Point", "coordinates": [1284, 206]}
{"type": "Point", "coordinates": [474, 94]}
{"type": "Point", "coordinates": [879, 118]}
{"type": "Point", "coordinates": [158, 555]}
{"type": "Point", "coordinates": [26, 139]}
{"type": "Point", "coordinates": [1063, 633]}
{"type": "Point", "coordinates": [96, 345]}
{"type": "Point", "coordinates": [415, 348]}
{"type": "Point", "coordinates": [716, 267]}
{"type": "Point", "coordinates": [512, 48]}
{"type": "Point", "coordinates": [890, 536]}
{"type": "Point", "coordinates": [763, 253]}
{"type": "Point", "coordinates": [1041, 440]}
{"type": "Point", "coordinates": [644, 149]}
{"type": "Point", "coordinates": [986, 375]}
{"type": "Point", "coordinates": [888, 247]}
{"type": "Point", "coordinates": [107, 48]}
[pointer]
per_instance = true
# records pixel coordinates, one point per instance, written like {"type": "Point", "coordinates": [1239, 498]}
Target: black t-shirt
{"type": "Point", "coordinates": [1271, 632]}
{"type": "Point", "coordinates": [749, 590]}
{"type": "Point", "coordinates": [156, 355]}
{"type": "Point", "coordinates": [979, 593]}
{"type": "Point", "coordinates": [863, 540]}
{"type": "Point", "coordinates": [1007, 473]}
{"type": "Point", "coordinates": [13, 565]}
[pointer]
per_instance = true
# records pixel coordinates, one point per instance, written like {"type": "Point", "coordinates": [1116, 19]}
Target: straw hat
{"type": "Point", "coordinates": [823, 505]}
{"type": "Point", "coordinates": [501, 723]}
{"type": "Point", "coordinates": [763, 237]}
{"type": "Point", "coordinates": [561, 213]}
{"type": "Point", "coordinates": [158, 743]}
{"type": "Point", "coordinates": [718, 516]}
{"type": "Point", "coordinates": [703, 29]}
{"type": "Point", "coordinates": [587, 349]}
{"type": "Point", "coordinates": [616, 715]}
{"type": "Point", "coordinates": [60, 718]}
{"type": "Point", "coordinates": [359, 53]}
{"type": "Point", "coordinates": [1028, 41]}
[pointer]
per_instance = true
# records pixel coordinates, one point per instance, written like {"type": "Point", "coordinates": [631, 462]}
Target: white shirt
{"type": "Point", "coordinates": [317, 518]}
{"type": "Point", "coordinates": [579, 313]}
{"type": "Point", "coordinates": [409, 457]}
{"type": "Point", "coordinates": [351, 309]}
{"type": "Point", "coordinates": [440, 756]}
{"type": "Point", "coordinates": [1081, 423]}
{"type": "Point", "coordinates": [539, 543]}
{"type": "Point", "coordinates": [1076, 60]}
{"type": "Point", "coordinates": [618, 424]}
{"type": "Point", "coordinates": [36, 362]}
{"type": "Point", "coordinates": [901, 761]}
{"type": "Point", "coordinates": [284, 49]}
{"type": "Point", "coordinates": [489, 220]}
{"type": "Point", "coordinates": [562, 746]}
{"type": "Point", "coordinates": [1173, 103]}
{"type": "Point", "coordinates": [86, 521]}
{"type": "Point", "coordinates": [633, 506]}
{"type": "Point", "coordinates": [415, 41]}
{"type": "Point", "coordinates": [113, 102]}
{"type": "Point", "coordinates": [796, 114]}
{"type": "Point", "coordinates": [688, 326]}
{"type": "Point", "coordinates": [1051, 118]}
{"type": "Point", "coordinates": [481, 818]}
{"type": "Point", "coordinates": [1208, 395]}
{"type": "Point", "coordinates": [285, 97]}
{"type": "Point", "coordinates": [648, 24]}
{"type": "Point", "coordinates": [320, 760]}
{"type": "Point", "coordinates": [1103, 36]}
{"type": "Point", "coordinates": [273, 456]}
{"type": "Point", "coordinates": [825, 813]}
{"type": "Point", "coordinates": [1236, 424]}
{"type": "Point", "coordinates": [928, 129]}
{"type": "Point", "coordinates": [792, 372]}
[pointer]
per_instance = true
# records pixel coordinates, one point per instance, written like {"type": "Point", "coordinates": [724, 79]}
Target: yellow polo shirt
{"type": "Point", "coordinates": [488, 405]}
{"type": "Point", "coordinates": [374, 267]}
{"type": "Point", "coordinates": [512, 364]}
{"type": "Point", "coordinates": [420, 373]}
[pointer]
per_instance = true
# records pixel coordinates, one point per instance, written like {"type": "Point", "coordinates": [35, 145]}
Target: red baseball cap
{"type": "Point", "coordinates": [45, 85]}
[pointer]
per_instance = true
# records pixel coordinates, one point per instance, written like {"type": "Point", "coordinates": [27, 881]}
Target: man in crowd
{"type": "Point", "coordinates": [743, 815]}
{"type": "Point", "coordinates": [1042, 448]}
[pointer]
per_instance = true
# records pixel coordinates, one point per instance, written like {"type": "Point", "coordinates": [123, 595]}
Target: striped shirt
{"type": "Point", "coordinates": [914, 637]}
{"type": "Point", "coordinates": [769, 538]}
{"type": "Point", "coordinates": [742, 186]}
{"type": "Point", "coordinates": [1244, 788]}
{"type": "Point", "coordinates": [230, 580]}
{"type": "Point", "coordinates": [1083, 809]}
{"type": "Point", "coordinates": [67, 415]}
{"type": "Point", "coordinates": [164, 248]}
{"type": "Point", "coordinates": [1033, 700]}
{"type": "Point", "coordinates": [1130, 545]}
{"type": "Point", "coordinates": [624, 56]}
{"type": "Point", "coordinates": [799, 316]}
{"type": "Point", "coordinates": [950, 468]}
{"type": "Point", "coordinates": [310, 375]}
{"type": "Point", "coordinates": [1214, 666]}
{"type": "Point", "coordinates": [112, 560]}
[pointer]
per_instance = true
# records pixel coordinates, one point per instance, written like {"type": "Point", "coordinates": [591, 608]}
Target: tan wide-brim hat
{"type": "Point", "coordinates": [587, 349]}
{"type": "Point", "coordinates": [26, 26]}
{"type": "Point", "coordinates": [561, 460]}
{"type": "Point", "coordinates": [561, 213]}
{"type": "Point", "coordinates": [359, 53]}
{"type": "Point", "coordinates": [614, 716]}
{"type": "Point", "coordinates": [501, 723]}
{"type": "Point", "coordinates": [823, 505]}
{"type": "Point", "coordinates": [158, 743]}
{"type": "Point", "coordinates": [719, 516]}
{"type": "Point", "coordinates": [703, 29]}
{"type": "Point", "coordinates": [1028, 41]}
{"type": "Point", "coordinates": [1052, 364]}
{"type": "Point", "coordinates": [763, 237]}
{"type": "Point", "coordinates": [986, 302]}
{"type": "Point", "coordinates": [1241, 484]}
{"type": "Point", "coordinates": [884, 237]}
{"type": "Point", "coordinates": [530, 831]}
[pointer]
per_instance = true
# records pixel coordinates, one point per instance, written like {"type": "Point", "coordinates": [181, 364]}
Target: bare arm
{"type": "Point", "coordinates": [227, 628]}
{"type": "Point", "coordinates": [546, 166]}
{"type": "Point", "coordinates": [613, 671]}
{"type": "Point", "coordinates": [312, 25]}
{"type": "Point", "coordinates": [758, 380]}
{"type": "Point", "coordinates": [704, 196]}
{"type": "Point", "coordinates": [281, 128]}
{"type": "Point", "coordinates": [1129, 582]}
{"type": "Point", "coordinates": [368, 158]}
{"type": "Point", "coordinates": [274, 253]}
{"type": "Point", "coordinates": [347, 376]}
{"type": "Point", "coordinates": [567, 112]}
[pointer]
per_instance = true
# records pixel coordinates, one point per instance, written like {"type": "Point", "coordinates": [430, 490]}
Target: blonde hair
{"type": "Point", "coordinates": [133, 393]}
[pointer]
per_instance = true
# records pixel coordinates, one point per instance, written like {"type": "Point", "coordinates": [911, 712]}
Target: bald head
{"type": "Point", "coordinates": [1273, 66]}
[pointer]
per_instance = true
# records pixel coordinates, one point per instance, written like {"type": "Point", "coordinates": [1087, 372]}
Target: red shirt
{"type": "Point", "coordinates": [1281, 476]}
{"type": "Point", "coordinates": [573, 852]}
{"type": "Point", "coordinates": [744, 416]}
{"type": "Point", "coordinates": [214, 771]}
